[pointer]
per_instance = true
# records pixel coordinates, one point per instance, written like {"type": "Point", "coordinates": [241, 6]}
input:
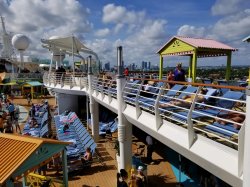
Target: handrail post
{"type": "Point", "coordinates": [241, 144]}
{"type": "Point", "coordinates": [102, 89]}
{"type": "Point", "coordinates": [138, 109]}
{"type": "Point", "coordinates": [71, 80]}
{"type": "Point", "coordinates": [246, 162]}
{"type": "Point", "coordinates": [191, 134]}
{"type": "Point", "coordinates": [62, 83]}
{"type": "Point", "coordinates": [96, 86]}
{"type": "Point", "coordinates": [109, 91]}
{"type": "Point", "coordinates": [158, 118]}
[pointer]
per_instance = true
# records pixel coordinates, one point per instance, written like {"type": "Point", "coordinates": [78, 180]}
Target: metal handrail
{"type": "Point", "coordinates": [133, 90]}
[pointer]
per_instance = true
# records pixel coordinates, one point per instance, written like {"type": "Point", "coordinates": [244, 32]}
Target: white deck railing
{"type": "Point", "coordinates": [194, 116]}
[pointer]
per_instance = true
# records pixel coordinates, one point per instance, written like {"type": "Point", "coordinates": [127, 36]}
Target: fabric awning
{"type": "Point", "coordinates": [32, 84]}
{"type": "Point", "coordinates": [69, 45]}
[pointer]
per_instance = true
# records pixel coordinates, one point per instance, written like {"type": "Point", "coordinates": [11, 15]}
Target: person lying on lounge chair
{"type": "Point", "coordinates": [232, 116]}
{"type": "Point", "coordinates": [186, 100]}
{"type": "Point", "coordinates": [84, 160]}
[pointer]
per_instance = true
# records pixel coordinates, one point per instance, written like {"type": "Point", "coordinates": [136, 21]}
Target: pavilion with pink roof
{"type": "Point", "coordinates": [195, 48]}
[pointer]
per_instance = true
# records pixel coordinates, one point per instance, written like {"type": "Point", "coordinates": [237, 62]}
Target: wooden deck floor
{"type": "Point", "coordinates": [160, 173]}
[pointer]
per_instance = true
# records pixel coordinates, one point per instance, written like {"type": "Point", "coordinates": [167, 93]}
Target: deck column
{"type": "Point", "coordinates": [190, 66]}
{"type": "Point", "coordinates": [246, 162]}
{"type": "Point", "coordinates": [124, 127]}
{"type": "Point", "coordinates": [65, 168]}
{"type": "Point", "coordinates": [161, 67]}
{"type": "Point", "coordinates": [228, 70]}
{"type": "Point", "coordinates": [94, 110]}
{"type": "Point", "coordinates": [194, 65]}
{"type": "Point", "coordinates": [10, 183]}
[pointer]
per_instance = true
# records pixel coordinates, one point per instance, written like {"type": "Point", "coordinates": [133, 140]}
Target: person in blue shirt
{"type": "Point", "coordinates": [11, 109]}
{"type": "Point", "coordinates": [179, 73]}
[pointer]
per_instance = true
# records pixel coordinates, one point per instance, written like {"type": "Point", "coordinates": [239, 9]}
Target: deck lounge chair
{"type": "Point", "coordinates": [226, 130]}
{"type": "Point", "coordinates": [189, 90]}
{"type": "Point", "coordinates": [221, 103]}
{"type": "Point", "coordinates": [166, 97]}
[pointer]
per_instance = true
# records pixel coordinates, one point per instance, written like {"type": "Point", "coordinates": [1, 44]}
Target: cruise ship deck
{"type": "Point", "coordinates": [191, 131]}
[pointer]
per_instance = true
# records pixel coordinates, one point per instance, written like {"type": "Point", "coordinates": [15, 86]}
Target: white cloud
{"type": "Point", "coordinates": [191, 31]}
{"type": "Point", "coordinates": [104, 48]}
{"type": "Point", "coordinates": [142, 36]}
{"type": "Point", "coordinates": [223, 7]}
{"type": "Point", "coordinates": [118, 27]}
{"type": "Point", "coordinates": [45, 18]}
{"type": "Point", "coordinates": [112, 13]}
{"type": "Point", "coordinates": [233, 27]}
{"type": "Point", "coordinates": [120, 15]}
{"type": "Point", "coordinates": [102, 32]}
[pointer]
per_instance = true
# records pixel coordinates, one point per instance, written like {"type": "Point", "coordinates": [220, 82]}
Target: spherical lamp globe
{"type": "Point", "coordinates": [20, 42]}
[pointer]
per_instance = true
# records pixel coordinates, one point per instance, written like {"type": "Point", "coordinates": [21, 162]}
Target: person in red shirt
{"type": "Point", "coordinates": [126, 72]}
{"type": "Point", "coordinates": [170, 77]}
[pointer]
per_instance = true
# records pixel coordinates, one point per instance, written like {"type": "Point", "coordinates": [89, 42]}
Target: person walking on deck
{"type": "Point", "coordinates": [16, 117]}
{"type": "Point", "coordinates": [150, 149]}
{"type": "Point", "coordinates": [29, 98]}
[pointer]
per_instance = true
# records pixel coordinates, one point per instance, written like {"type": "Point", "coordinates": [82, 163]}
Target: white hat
{"type": "Point", "coordinates": [140, 168]}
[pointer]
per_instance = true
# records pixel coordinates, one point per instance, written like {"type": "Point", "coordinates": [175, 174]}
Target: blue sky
{"type": "Point", "coordinates": [141, 27]}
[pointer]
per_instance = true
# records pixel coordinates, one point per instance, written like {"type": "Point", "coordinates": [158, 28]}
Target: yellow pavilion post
{"type": "Point", "coordinates": [32, 92]}
{"type": "Point", "coordinates": [161, 67]}
{"type": "Point", "coordinates": [228, 70]}
{"type": "Point", "coordinates": [249, 77]}
{"type": "Point", "coordinates": [194, 65]}
{"type": "Point", "coordinates": [190, 66]}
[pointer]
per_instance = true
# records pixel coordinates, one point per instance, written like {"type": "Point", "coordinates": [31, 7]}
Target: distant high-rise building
{"type": "Point", "coordinates": [149, 66]}
{"type": "Point", "coordinates": [133, 67]}
{"type": "Point", "coordinates": [107, 66]}
{"type": "Point", "coordinates": [144, 65]}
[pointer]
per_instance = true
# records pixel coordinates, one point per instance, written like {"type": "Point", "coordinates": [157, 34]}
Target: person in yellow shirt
{"type": "Point", "coordinates": [186, 100]}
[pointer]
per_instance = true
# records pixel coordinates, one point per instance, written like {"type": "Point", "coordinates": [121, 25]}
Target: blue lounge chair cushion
{"type": "Point", "coordinates": [230, 130]}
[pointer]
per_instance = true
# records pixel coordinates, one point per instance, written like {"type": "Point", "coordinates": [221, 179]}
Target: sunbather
{"type": "Point", "coordinates": [87, 156]}
{"type": "Point", "coordinates": [186, 100]}
{"type": "Point", "coordinates": [85, 159]}
{"type": "Point", "coordinates": [232, 116]}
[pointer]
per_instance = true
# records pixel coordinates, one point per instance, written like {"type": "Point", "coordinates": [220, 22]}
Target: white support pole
{"type": "Point", "coordinates": [73, 60]}
{"type": "Point", "coordinates": [246, 163]}
{"type": "Point", "coordinates": [65, 168]}
{"type": "Point", "coordinates": [124, 127]}
{"type": "Point", "coordinates": [94, 109]}
{"type": "Point", "coordinates": [87, 110]}
{"type": "Point", "coordinates": [21, 60]}
{"type": "Point", "coordinates": [51, 62]}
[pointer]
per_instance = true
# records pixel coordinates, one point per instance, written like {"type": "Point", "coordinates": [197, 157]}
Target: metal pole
{"type": "Point", "coordinates": [179, 169]}
{"type": "Point", "coordinates": [87, 108]}
{"type": "Point", "coordinates": [21, 60]}
{"type": "Point", "coordinates": [51, 61]}
{"type": "Point", "coordinates": [65, 168]}
{"type": "Point", "coordinates": [246, 162]}
{"type": "Point", "coordinates": [124, 127]}
{"type": "Point", "coordinates": [94, 110]}
{"type": "Point", "coordinates": [73, 54]}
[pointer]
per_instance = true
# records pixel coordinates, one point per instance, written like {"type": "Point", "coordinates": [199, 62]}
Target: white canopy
{"type": "Point", "coordinates": [247, 39]}
{"type": "Point", "coordinates": [70, 45]}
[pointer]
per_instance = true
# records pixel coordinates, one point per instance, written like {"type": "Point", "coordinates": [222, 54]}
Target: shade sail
{"type": "Point", "coordinates": [247, 39]}
{"type": "Point", "coordinates": [70, 44]}
{"type": "Point", "coordinates": [32, 83]}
